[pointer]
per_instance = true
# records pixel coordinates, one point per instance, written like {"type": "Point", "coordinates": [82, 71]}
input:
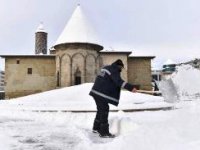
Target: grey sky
{"type": "Point", "coordinates": [164, 28]}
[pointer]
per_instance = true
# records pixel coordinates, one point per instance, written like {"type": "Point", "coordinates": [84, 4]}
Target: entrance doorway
{"type": "Point", "coordinates": [77, 77]}
{"type": "Point", "coordinates": [77, 80]}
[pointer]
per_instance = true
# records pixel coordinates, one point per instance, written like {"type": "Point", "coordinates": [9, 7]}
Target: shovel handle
{"type": "Point", "coordinates": [148, 92]}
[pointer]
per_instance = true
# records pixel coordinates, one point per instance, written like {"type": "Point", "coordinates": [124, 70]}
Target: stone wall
{"type": "Point", "coordinates": [20, 83]}
{"type": "Point", "coordinates": [139, 72]}
{"type": "Point", "coordinates": [71, 58]}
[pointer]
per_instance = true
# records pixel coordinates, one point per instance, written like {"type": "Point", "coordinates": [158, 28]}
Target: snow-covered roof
{"type": "Point", "coordinates": [169, 62]}
{"type": "Point", "coordinates": [78, 30]}
{"type": "Point", "coordinates": [151, 57]}
{"type": "Point", "coordinates": [116, 52]}
{"type": "Point", "coordinates": [40, 28]}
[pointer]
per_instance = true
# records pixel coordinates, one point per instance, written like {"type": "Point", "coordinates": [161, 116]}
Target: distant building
{"type": "Point", "coordinates": [156, 75]}
{"type": "Point", "coordinates": [75, 58]}
{"type": "Point", "coordinates": [168, 67]}
{"type": "Point", "coordinates": [156, 78]}
{"type": "Point", "coordinates": [2, 85]}
{"type": "Point", "coordinates": [2, 78]}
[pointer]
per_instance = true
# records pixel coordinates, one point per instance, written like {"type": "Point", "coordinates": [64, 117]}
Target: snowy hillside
{"type": "Point", "coordinates": [25, 125]}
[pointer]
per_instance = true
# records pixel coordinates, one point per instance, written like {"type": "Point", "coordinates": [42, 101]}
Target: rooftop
{"type": "Point", "coordinates": [78, 29]}
{"type": "Point", "coordinates": [3, 56]}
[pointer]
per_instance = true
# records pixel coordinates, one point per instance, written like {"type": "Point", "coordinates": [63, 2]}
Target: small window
{"type": "Point", "coordinates": [18, 61]}
{"type": "Point", "coordinates": [30, 71]}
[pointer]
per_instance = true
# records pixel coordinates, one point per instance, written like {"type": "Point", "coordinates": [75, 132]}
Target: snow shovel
{"type": "Point", "coordinates": [167, 89]}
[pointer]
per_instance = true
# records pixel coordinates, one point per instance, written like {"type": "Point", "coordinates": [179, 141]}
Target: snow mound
{"type": "Point", "coordinates": [78, 98]}
{"type": "Point", "coordinates": [122, 125]}
{"type": "Point", "coordinates": [187, 81]}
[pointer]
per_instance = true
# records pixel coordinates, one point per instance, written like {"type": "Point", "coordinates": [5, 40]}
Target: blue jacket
{"type": "Point", "coordinates": [108, 85]}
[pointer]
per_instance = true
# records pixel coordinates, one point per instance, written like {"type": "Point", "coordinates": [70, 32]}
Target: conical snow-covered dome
{"type": "Point", "coordinates": [78, 30]}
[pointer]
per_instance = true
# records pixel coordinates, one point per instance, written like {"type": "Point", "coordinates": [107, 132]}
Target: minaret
{"type": "Point", "coordinates": [40, 40]}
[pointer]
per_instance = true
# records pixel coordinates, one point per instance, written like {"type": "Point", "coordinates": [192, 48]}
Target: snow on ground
{"type": "Point", "coordinates": [77, 98]}
{"type": "Point", "coordinates": [21, 128]}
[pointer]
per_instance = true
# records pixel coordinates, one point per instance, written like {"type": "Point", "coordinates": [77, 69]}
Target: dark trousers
{"type": "Point", "coordinates": [102, 113]}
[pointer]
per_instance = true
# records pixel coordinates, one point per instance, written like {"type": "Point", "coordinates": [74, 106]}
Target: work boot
{"type": "Point", "coordinates": [104, 131]}
{"type": "Point", "coordinates": [96, 126]}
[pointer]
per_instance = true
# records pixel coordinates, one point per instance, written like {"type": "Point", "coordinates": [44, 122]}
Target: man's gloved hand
{"type": "Point", "coordinates": [134, 90]}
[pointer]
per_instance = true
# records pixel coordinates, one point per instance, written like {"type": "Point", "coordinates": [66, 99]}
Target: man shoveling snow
{"type": "Point", "coordinates": [105, 91]}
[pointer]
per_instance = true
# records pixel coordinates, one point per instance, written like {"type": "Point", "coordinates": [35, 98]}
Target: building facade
{"type": "Point", "coordinates": [75, 58]}
{"type": "Point", "coordinates": [29, 74]}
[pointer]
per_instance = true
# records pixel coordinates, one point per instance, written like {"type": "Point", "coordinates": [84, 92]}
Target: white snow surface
{"type": "Point", "coordinates": [22, 128]}
{"type": "Point", "coordinates": [77, 98]}
{"type": "Point", "coordinates": [187, 81]}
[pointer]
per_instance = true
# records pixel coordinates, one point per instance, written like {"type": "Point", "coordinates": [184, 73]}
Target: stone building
{"type": "Point", "coordinates": [75, 58]}
{"type": "Point", "coordinates": [168, 67]}
{"type": "Point", "coordinates": [2, 76]}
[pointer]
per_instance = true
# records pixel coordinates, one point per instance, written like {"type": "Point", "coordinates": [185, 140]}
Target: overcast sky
{"type": "Point", "coordinates": [167, 29]}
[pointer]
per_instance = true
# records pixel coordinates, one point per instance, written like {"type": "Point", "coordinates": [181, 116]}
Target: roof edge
{"type": "Point", "coordinates": [3, 56]}
{"type": "Point", "coordinates": [152, 57]}
{"type": "Point", "coordinates": [117, 52]}
{"type": "Point", "coordinates": [100, 47]}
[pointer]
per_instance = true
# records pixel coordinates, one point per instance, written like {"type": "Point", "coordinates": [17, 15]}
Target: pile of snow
{"type": "Point", "coordinates": [187, 81]}
{"type": "Point", "coordinates": [77, 98]}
